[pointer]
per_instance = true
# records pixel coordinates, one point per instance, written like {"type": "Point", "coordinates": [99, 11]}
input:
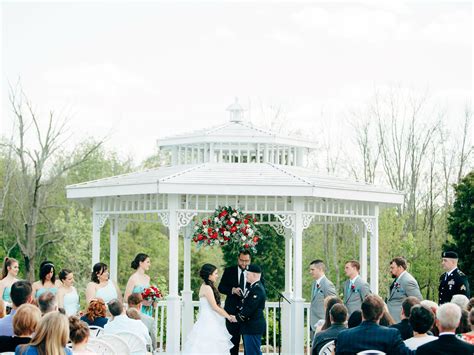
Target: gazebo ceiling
{"type": "Point", "coordinates": [257, 179]}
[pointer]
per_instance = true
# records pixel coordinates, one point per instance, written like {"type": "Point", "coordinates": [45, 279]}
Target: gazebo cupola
{"type": "Point", "coordinates": [236, 141]}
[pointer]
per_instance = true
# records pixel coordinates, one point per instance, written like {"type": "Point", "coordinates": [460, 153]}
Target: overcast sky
{"type": "Point", "coordinates": [139, 71]}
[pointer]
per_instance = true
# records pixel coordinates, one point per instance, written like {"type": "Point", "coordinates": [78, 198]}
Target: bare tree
{"type": "Point", "coordinates": [466, 149]}
{"type": "Point", "coordinates": [38, 169]}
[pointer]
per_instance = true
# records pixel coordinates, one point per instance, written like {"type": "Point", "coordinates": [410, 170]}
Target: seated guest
{"type": "Point", "coordinates": [79, 336]}
{"type": "Point", "coordinates": [328, 303]}
{"type": "Point", "coordinates": [25, 321]}
{"type": "Point", "coordinates": [20, 294]}
{"type": "Point", "coordinates": [404, 326]}
{"type": "Point", "coordinates": [469, 336]}
{"type": "Point", "coordinates": [135, 302]}
{"type": "Point", "coordinates": [433, 306]}
{"type": "Point", "coordinates": [47, 280]}
{"type": "Point", "coordinates": [421, 321]}
{"type": "Point", "coordinates": [447, 319]}
{"type": "Point", "coordinates": [369, 335]}
{"type": "Point", "coordinates": [387, 319]}
{"type": "Point", "coordinates": [464, 325]}
{"type": "Point", "coordinates": [470, 305]}
{"type": "Point", "coordinates": [51, 337]}
{"type": "Point", "coordinates": [132, 313]}
{"type": "Point", "coordinates": [338, 314]}
{"type": "Point", "coordinates": [355, 319]}
{"type": "Point", "coordinates": [121, 323]}
{"type": "Point", "coordinates": [47, 303]}
{"type": "Point", "coordinates": [96, 313]}
{"type": "Point", "coordinates": [461, 300]}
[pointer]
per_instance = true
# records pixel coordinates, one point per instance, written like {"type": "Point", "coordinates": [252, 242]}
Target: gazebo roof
{"type": "Point", "coordinates": [258, 179]}
{"type": "Point", "coordinates": [235, 132]}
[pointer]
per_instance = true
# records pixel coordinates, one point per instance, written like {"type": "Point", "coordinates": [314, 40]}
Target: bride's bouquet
{"type": "Point", "coordinates": [227, 225]}
{"type": "Point", "coordinates": [150, 295]}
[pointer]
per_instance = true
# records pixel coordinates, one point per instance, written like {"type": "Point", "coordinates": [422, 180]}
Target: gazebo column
{"type": "Point", "coordinates": [363, 253]}
{"type": "Point", "coordinates": [173, 303]}
{"type": "Point", "coordinates": [288, 293]}
{"type": "Point", "coordinates": [373, 228]}
{"type": "Point", "coordinates": [187, 294]}
{"type": "Point", "coordinates": [114, 229]}
{"type": "Point", "coordinates": [297, 308]}
{"type": "Point", "coordinates": [98, 221]}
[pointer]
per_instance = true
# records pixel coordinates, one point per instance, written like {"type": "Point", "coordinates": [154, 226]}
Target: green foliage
{"type": "Point", "coordinates": [461, 225]}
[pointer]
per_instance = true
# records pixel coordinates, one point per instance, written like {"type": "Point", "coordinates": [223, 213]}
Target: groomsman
{"type": "Point", "coordinates": [234, 284]}
{"type": "Point", "coordinates": [320, 289]}
{"type": "Point", "coordinates": [453, 281]}
{"type": "Point", "coordinates": [356, 288]}
{"type": "Point", "coordinates": [403, 286]}
{"type": "Point", "coordinates": [250, 317]}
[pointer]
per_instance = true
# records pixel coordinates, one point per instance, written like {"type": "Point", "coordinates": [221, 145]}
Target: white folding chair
{"type": "Point", "coordinates": [120, 345]}
{"type": "Point", "coordinates": [95, 331]}
{"type": "Point", "coordinates": [100, 347]}
{"type": "Point", "coordinates": [134, 342]}
{"type": "Point", "coordinates": [371, 352]}
{"type": "Point", "coordinates": [327, 348]}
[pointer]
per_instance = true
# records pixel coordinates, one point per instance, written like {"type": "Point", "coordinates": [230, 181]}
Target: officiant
{"type": "Point", "coordinates": [234, 285]}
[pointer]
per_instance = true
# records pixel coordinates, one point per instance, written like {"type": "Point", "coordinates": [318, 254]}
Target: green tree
{"type": "Point", "coordinates": [461, 225]}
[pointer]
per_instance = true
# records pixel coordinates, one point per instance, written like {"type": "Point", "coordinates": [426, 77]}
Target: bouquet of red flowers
{"type": "Point", "coordinates": [151, 294]}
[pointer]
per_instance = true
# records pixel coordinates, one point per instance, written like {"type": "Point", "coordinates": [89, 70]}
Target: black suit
{"type": "Point", "coordinates": [405, 328]}
{"type": "Point", "coordinates": [444, 345]}
{"type": "Point", "coordinates": [233, 302]}
{"type": "Point", "coordinates": [454, 284]}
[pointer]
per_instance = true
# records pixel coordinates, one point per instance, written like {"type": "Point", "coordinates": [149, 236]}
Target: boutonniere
{"type": "Point", "coordinates": [353, 288]}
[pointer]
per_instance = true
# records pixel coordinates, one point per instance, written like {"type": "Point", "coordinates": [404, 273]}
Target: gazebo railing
{"type": "Point", "coordinates": [269, 342]}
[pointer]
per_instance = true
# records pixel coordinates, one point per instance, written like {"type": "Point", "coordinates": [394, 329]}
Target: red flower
{"type": "Point", "coordinates": [204, 222]}
{"type": "Point", "coordinates": [246, 246]}
{"type": "Point", "coordinates": [200, 237]}
{"type": "Point", "coordinates": [353, 288]}
{"type": "Point", "coordinates": [229, 223]}
{"type": "Point", "coordinates": [255, 239]}
{"type": "Point", "coordinates": [209, 231]}
{"type": "Point", "coordinates": [233, 229]}
{"type": "Point", "coordinates": [246, 221]}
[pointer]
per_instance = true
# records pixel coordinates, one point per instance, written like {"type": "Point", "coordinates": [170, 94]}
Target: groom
{"type": "Point", "coordinates": [250, 317]}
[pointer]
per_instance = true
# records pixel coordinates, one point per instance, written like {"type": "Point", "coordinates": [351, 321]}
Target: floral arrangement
{"type": "Point", "coordinates": [151, 294]}
{"type": "Point", "coordinates": [227, 225]}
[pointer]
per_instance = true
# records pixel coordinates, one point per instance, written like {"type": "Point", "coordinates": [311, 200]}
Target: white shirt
{"type": "Point", "coordinates": [354, 279]}
{"type": "Point", "coordinates": [413, 343]}
{"type": "Point", "coordinates": [450, 272]}
{"type": "Point", "coordinates": [124, 324]}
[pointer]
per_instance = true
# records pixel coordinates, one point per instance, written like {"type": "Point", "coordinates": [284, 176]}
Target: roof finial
{"type": "Point", "coordinates": [236, 111]}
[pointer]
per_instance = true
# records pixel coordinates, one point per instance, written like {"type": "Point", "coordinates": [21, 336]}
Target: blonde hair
{"type": "Point", "coordinates": [26, 319]}
{"type": "Point", "coordinates": [52, 335]}
{"type": "Point", "coordinates": [133, 314]}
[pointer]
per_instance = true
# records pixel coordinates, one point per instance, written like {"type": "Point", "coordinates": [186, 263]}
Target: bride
{"type": "Point", "coordinates": [209, 334]}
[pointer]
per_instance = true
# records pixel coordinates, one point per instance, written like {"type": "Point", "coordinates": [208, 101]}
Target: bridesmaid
{"type": "Point", "coordinates": [139, 279]}
{"type": "Point", "coordinates": [47, 280]}
{"type": "Point", "coordinates": [67, 296]}
{"type": "Point", "coordinates": [100, 285]}
{"type": "Point", "coordinates": [9, 277]}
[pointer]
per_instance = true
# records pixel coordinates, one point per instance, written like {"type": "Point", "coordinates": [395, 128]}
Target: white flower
{"type": "Point", "coordinates": [196, 227]}
{"type": "Point", "coordinates": [234, 214]}
{"type": "Point", "coordinates": [244, 237]}
{"type": "Point", "coordinates": [232, 220]}
{"type": "Point", "coordinates": [217, 229]}
{"type": "Point", "coordinates": [226, 233]}
{"type": "Point", "coordinates": [249, 231]}
{"type": "Point", "coordinates": [216, 219]}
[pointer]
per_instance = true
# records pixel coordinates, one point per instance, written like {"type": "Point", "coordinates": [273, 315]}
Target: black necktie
{"type": "Point", "coordinates": [242, 281]}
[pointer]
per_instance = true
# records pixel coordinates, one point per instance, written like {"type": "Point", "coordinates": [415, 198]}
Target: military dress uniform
{"type": "Point", "coordinates": [455, 283]}
{"type": "Point", "coordinates": [251, 318]}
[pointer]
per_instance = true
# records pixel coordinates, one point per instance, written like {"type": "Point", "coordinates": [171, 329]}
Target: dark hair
{"type": "Point", "coordinates": [115, 307]}
{"type": "Point", "coordinates": [7, 262]}
{"type": "Point", "coordinates": [78, 330]}
{"type": "Point", "coordinates": [372, 307]}
{"type": "Point", "coordinates": [355, 319]}
{"type": "Point", "coordinates": [318, 263]}
{"type": "Point", "coordinates": [134, 299]}
{"type": "Point", "coordinates": [400, 262]}
{"type": "Point", "coordinates": [20, 292]}
{"type": "Point", "coordinates": [45, 269]}
{"type": "Point", "coordinates": [464, 326]}
{"type": "Point", "coordinates": [46, 302]}
{"type": "Point", "coordinates": [338, 313]}
{"type": "Point", "coordinates": [96, 309]}
{"type": "Point", "coordinates": [204, 273]}
{"type": "Point", "coordinates": [408, 304]}
{"type": "Point", "coordinates": [421, 319]}
{"type": "Point", "coordinates": [98, 269]}
{"type": "Point", "coordinates": [138, 259]}
{"type": "Point", "coordinates": [245, 252]}
{"type": "Point", "coordinates": [332, 300]}
{"type": "Point", "coordinates": [470, 305]}
{"type": "Point", "coordinates": [471, 317]}
{"type": "Point", "coordinates": [63, 274]}
{"type": "Point", "coordinates": [354, 263]}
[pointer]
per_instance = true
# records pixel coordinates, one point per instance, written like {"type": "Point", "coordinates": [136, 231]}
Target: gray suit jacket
{"type": "Point", "coordinates": [151, 325]}
{"type": "Point", "coordinates": [404, 286]}
{"type": "Point", "coordinates": [353, 297]}
{"type": "Point", "coordinates": [326, 288]}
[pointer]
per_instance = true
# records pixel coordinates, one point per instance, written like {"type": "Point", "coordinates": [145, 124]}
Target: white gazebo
{"type": "Point", "coordinates": [241, 165]}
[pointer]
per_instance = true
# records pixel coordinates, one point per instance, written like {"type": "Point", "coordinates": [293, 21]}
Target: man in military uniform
{"type": "Point", "coordinates": [250, 317]}
{"type": "Point", "coordinates": [453, 281]}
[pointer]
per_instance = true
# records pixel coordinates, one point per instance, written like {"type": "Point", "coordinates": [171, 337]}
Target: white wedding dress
{"type": "Point", "coordinates": [209, 334]}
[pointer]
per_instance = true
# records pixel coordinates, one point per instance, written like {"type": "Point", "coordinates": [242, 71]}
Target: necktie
{"type": "Point", "coordinates": [242, 281]}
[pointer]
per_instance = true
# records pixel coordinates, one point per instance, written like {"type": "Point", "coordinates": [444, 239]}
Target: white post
{"type": "Point", "coordinates": [187, 294]}
{"type": "Point", "coordinates": [297, 341]}
{"type": "Point", "coordinates": [95, 234]}
{"type": "Point", "coordinates": [363, 253]}
{"type": "Point", "coordinates": [114, 226]}
{"type": "Point", "coordinates": [299, 156]}
{"type": "Point", "coordinates": [286, 328]}
{"type": "Point", "coordinates": [173, 300]}
{"type": "Point", "coordinates": [374, 253]}
{"type": "Point", "coordinates": [212, 158]}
